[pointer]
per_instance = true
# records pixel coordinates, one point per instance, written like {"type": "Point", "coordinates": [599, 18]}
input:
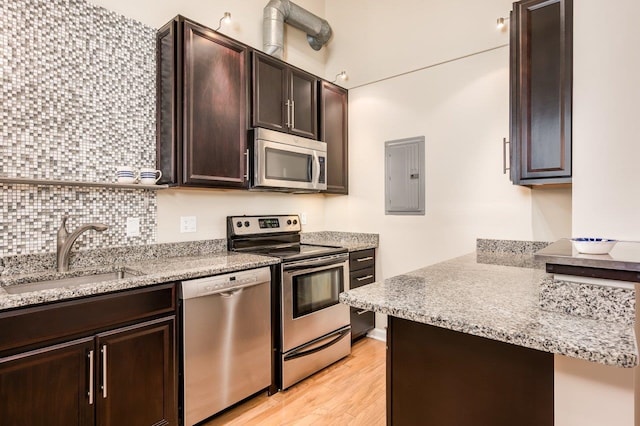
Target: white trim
{"type": "Point", "coordinates": [378, 334]}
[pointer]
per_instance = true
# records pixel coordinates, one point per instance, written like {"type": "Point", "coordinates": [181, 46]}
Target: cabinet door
{"type": "Point", "coordinates": [215, 109]}
{"type": "Point", "coordinates": [303, 89]}
{"type": "Point", "coordinates": [48, 387]}
{"type": "Point", "coordinates": [136, 378]}
{"type": "Point", "coordinates": [334, 131]}
{"type": "Point", "coordinates": [541, 84]}
{"type": "Point", "coordinates": [270, 97]}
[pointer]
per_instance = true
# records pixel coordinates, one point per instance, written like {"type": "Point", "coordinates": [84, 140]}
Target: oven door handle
{"type": "Point", "coordinates": [333, 338]}
{"type": "Point", "coordinates": [313, 264]}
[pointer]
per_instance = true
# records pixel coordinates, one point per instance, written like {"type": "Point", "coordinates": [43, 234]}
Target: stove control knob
{"type": "Point", "coordinates": [246, 223]}
{"type": "Point", "coordinates": [239, 224]}
{"type": "Point", "coordinates": [295, 221]}
{"type": "Point", "coordinates": [289, 222]}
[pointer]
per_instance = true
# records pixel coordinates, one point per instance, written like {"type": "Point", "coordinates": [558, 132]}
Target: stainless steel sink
{"type": "Point", "coordinates": [69, 282]}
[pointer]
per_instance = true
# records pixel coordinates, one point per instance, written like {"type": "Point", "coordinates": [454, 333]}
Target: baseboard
{"type": "Point", "coordinates": [378, 334]}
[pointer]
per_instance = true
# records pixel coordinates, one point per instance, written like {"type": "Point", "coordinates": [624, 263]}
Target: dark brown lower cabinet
{"type": "Point", "coordinates": [47, 387]}
{"type": "Point", "coordinates": [135, 375]}
{"type": "Point", "coordinates": [104, 360]}
{"type": "Point", "coordinates": [441, 377]}
{"type": "Point", "coordinates": [361, 272]}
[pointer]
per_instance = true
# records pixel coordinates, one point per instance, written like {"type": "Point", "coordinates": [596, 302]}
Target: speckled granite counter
{"type": "Point", "coordinates": [496, 302]}
{"type": "Point", "coordinates": [152, 264]}
{"type": "Point", "coordinates": [174, 267]}
{"type": "Point", "coordinates": [353, 241]}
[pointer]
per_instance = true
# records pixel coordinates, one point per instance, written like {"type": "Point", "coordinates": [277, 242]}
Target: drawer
{"type": "Point", "coordinates": [362, 277]}
{"type": "Point", "coordinates": [361, 322]}
{"type": "Point", "coordinates": [75, 318]}
{"type": "Point", "coordinates": [362, 259]}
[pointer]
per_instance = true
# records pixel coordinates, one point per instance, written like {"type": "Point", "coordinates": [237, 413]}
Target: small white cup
{"type": "Point", "coordinates": [126, 174]}
{"type": "Point", "coordinates": [149, 176]}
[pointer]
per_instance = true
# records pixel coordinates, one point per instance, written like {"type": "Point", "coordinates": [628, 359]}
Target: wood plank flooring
{"type": "Point", "coordinates": [349, 392]}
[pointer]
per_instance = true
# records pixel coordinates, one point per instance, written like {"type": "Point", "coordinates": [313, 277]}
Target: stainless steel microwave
{"type": "Point", "coordinates": [285, 162]}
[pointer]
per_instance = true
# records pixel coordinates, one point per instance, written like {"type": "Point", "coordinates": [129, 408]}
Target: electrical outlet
{"type": "Point", "coordinates": [303, 218]}
{"type": "Point", "coordinates": [133, 227]}
{"type": "Point", "coordinates": [187, 224]}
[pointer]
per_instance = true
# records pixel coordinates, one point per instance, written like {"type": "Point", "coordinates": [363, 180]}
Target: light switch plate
{"type": "Point", "coordinates": [133, 227]}
{"type": "Point", "coordinates": [303, 218]}
{"type": "Point", "coordinates": [187, 224]}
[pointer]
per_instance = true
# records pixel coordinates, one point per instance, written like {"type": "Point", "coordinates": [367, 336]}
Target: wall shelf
{"type": "Point", "coordinates": [52, 182]}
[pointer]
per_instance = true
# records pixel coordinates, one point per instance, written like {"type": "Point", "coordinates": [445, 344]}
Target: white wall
{"type": "Point", "coordinates": [591, 394]}
{"type": "Point", "coordinates": [377, 39]}
{"type": "Point", "coordinates": [461, 107]}
{"type": "Point", "coordinates": [461, 110]}
{"type": "Point", "coordinates": [246, 23]}
{"type": "Point", "coordinates": [606, 124]}
{"type": "Point", "coordinates": [211, 207]}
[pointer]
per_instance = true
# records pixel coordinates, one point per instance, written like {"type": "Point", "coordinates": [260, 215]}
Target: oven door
{"type": "Point", "coordinates": [278, 165]}
{"type": "Point", "coordinates": [310, 306]}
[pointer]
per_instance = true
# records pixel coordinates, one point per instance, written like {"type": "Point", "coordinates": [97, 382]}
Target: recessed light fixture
{"type": "Point", "coordinates": [226, 18]}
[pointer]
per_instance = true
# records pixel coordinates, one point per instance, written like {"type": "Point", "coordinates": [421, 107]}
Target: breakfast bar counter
{"type": "Point", "coordinates": [468, 342]}
{"type": "Point", "coordinates": [496, 302]}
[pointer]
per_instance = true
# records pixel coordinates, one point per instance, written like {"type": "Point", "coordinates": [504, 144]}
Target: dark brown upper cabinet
{"type": "Point", "coordinates": [284, 97]}
{"type": "Point", "coordinates": [541, 95]}
{"type": "Point", "coordinates": [202, 114]}
{"type": "Point", "coordinates": [334, 131]}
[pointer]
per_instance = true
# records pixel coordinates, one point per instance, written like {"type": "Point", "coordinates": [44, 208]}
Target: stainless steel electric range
{"type": "Point", "coordinates": [314, 328]}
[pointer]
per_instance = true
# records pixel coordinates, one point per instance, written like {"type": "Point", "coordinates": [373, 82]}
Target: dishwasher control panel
{"type": "Point", "coordinates": [224, 284]}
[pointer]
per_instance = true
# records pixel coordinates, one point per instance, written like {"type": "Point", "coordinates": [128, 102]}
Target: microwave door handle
{"type": "Point", "coordinates": [316, 169]}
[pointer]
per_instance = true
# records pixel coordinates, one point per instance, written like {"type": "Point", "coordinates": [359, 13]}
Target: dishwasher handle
{"type": "Point", "coordinates": [228, 291]}
{"type": "Point", "coordinates": [224, 285]}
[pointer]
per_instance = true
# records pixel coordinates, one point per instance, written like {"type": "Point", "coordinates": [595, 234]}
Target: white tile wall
{"type": "Point", "coordinates": [77, 99]}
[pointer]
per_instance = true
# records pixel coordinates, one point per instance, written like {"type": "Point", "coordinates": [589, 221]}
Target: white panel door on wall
{"type": "Point", "coordinates": [404, 178]}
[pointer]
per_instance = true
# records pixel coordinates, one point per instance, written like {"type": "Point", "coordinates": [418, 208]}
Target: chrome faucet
{"type": "Point", "coordinates": [66, 240]}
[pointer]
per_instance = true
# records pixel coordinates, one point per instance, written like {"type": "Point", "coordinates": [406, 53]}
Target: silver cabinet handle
{"type": "Point", "coordinates": [366, 277]}
{"type": "Point", "coordinates": [504, 156]}
{"type": "Point", "coordinates": [364, 259]}
{"type": "Point", "coordinates": [246, 170]}
{"type": "Point", "coordinates": [90, 393]}
{"type": "Point", "coordinates": [364, 311]}
{"type": "Point", "coordinates": [104, 371]}
{"type": "Point", "coordinates": [293, 114]}
{"type": "Point", "coordinates": [288, 104]}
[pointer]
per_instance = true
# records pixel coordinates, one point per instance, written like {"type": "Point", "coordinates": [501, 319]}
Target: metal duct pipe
{"type": "Point", "coordinates": [277, 12]}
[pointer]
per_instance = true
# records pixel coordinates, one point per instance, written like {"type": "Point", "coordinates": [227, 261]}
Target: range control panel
{"type": "Point", "coordinates": [249, 225]}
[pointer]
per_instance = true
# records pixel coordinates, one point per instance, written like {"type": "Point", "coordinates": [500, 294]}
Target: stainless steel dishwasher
{"type": "Point", "coordinates": [226, 326]}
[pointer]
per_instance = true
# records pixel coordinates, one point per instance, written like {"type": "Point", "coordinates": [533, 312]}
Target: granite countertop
{"type": "Point", "coordinates": [497, 302]}
{"type": "Point", "coordinates": [625, 256]}
{"type": "Point", "coordinates": [147, 272]}
{"type": "Point", "coordinates": [149, 265]}
{"type": "Point", "coordinates": [353, 241]}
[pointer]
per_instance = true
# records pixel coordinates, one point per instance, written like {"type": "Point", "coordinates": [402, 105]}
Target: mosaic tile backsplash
{"type": "Point", "coordinates": [77, 99]}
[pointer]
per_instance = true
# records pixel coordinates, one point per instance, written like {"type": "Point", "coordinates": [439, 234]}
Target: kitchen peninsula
{"type": "Point", "coordinates": [468, 342]}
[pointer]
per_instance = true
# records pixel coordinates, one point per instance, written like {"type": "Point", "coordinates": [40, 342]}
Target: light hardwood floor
{"type": "Point", "coordinates": [349, 392]}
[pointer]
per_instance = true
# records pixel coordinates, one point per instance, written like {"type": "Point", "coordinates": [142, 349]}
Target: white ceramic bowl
{"type": "Point", "coordinates": [593, 245]}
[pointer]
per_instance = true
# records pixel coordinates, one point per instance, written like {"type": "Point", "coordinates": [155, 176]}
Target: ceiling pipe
{"type": "Point", "coordinates": [277, 12]}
